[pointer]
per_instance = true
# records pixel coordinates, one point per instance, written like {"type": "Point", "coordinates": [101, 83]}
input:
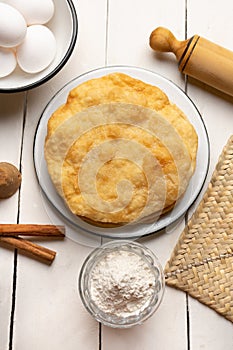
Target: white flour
{"type": "Point", "coordinates": [122, 283]}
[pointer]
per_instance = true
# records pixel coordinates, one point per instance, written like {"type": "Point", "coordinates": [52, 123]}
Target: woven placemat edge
{"type": "Point", "coordinates": [199, 207]}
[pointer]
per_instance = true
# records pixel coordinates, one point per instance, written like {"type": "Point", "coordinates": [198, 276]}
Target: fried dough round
{"type": "Point", "coordinates": [119, 87]}
{"type": "Point", "coordinates": [116, 162]}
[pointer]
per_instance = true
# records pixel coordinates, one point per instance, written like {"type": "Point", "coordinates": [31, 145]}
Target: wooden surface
{"type": "Point", "coordinates": [39, 304]}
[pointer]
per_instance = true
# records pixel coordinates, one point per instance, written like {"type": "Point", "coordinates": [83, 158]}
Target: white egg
{"type": "Point", "coordinates": [7, 61]}
{"type": "Point", "coordinates": [34, 11]}
{"type": "Point", "coordinates": [12, 26]}
{"type": "Point", "coordinates": [37, 50]}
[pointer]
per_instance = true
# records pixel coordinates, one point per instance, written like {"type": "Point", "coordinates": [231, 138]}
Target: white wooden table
{"type": "Point", "coordinates": [39, 305]}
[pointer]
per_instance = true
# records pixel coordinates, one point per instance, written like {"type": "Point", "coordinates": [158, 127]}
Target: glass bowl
{"type": "Point", "coordinates": [121, 284]}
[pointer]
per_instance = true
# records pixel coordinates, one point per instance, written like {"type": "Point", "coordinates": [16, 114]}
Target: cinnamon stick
{"type": "Point", "coordinates": [13, 230]}
{"type": "Point", "coordinates": [33, 249]}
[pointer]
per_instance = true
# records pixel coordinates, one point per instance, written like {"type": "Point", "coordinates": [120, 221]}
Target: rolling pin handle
{"type": "Point", "coordinates": [162, 40]}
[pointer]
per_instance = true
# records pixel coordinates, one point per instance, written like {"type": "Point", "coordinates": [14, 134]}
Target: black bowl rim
{"type": "Point", "coordinates": [62, 62]}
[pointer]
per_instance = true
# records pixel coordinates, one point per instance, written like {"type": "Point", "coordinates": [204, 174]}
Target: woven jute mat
{"type": "Point", "coordinates": [202, 261]}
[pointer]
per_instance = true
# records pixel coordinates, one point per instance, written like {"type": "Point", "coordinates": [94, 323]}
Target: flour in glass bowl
{"type": "Point", "coordinates": [122, 283]}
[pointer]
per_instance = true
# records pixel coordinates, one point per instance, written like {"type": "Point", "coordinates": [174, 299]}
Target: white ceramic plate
{"type": "Point", "coordinates": [175, 95]}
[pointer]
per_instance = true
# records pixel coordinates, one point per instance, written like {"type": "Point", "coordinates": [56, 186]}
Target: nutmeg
{"type": "Point", "coordinates": [10, 179]}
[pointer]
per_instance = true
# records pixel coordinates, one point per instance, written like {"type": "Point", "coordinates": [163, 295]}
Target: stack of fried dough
{"type": "Point", "coordinates": [118, 151]}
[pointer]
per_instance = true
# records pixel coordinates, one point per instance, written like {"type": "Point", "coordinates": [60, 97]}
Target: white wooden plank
{"type": "Point", "coordinates": [156, 333]}
{"type": "Point", "coordinates": [47, 296]}
{"type": "Point", "coordinates": [208, 330]}
{"type": "Point", "coordinates": [11, 118]}
{"type": "Point", "coordinates": [169, 322]}
{"type": "Point", "coordinates": [130, 25]}
{"type": "Point", "coordinates": [48, 302]}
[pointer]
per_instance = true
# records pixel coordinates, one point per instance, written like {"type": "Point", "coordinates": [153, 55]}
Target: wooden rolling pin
{"type": "Point", "coordinates": [198, 58]}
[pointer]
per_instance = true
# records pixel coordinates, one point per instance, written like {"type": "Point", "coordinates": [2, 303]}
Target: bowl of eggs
{"type": "Point", "coordinates": [36, 40]}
